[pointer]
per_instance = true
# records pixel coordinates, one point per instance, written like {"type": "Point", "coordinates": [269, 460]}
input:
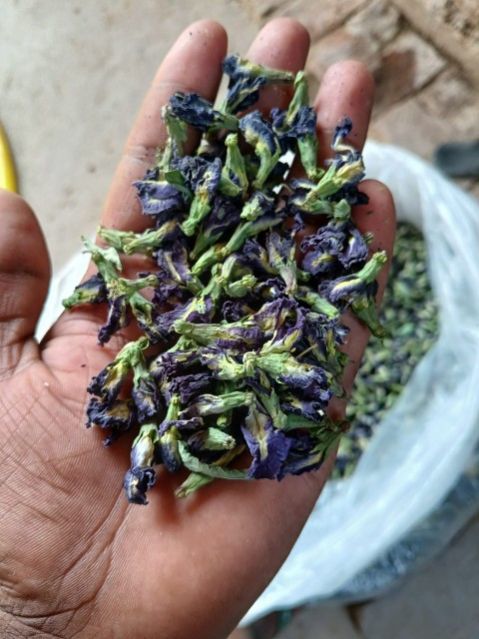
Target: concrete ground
{"type": "Point", "coordinates": [71, 79]}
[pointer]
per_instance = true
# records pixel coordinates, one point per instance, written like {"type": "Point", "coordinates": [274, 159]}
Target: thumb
{"type": "Point", "coordinates": [24, 279]}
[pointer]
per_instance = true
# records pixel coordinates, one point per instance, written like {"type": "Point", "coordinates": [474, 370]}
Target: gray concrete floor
{"type": "Point", "coordinates": [72, 76]}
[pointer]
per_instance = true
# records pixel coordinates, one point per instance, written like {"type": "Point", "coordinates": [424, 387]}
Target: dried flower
{"type": "Point", "coordinates": [242, 342]}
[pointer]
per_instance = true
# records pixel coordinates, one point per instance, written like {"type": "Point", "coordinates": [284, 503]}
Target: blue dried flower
{"type": "Point", "coordinates": [208, 404]}
{"type": "Point", "coordinates": [174, 261]}
{"type": "Point", "coordinates": [187, 387]}
{"type": "Point", "coordinates": [349, 287]}
{"type": "Point", "coordinates": [223, 218]}
{"type": "Point", "coordinates": [306, 408]}
{"type": "Point", "coordinates": [137, 482]}
{"type": "Point", "coordinates": [268, 447]}
{"type": "Point", "coordinates": [160, 199]}
{"type": "Point", "coordinates": [117, 318]}
{"type": "Point", "coordinates": [245, 81]}
{"type": "Point", "coordinates": [118, 415]}
{"type": "Point", "coordinates": [204, 193]}
{"type": "Point", "coordinates": [200, 113]}
{"type": "Point", "coordinates": [92, 291]}
{"type": "Point", "coordinates": [141, 476]}
{"type": "Point", "coordinates": [259, 133]}
{"type": "Point", "coordinates": [331, 244]}
{"type": "Point", "coordinates": [146, 396]}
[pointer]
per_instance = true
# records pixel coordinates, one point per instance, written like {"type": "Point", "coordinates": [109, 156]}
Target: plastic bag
{"type": "Point", "coordinates": [426, 440]}
{"type": "Point", "coordinates": [421, 448]}
{"type": "Point", "coordinates": [425, 541]}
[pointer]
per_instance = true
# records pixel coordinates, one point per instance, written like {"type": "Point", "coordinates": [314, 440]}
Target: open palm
{"type": "Point", "coordinates": [75, 558]}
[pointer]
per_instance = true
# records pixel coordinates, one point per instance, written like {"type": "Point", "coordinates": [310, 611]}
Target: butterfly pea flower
{"type": "Point", "coordinates": [136, 483]}
{"type": "Point", "coordinates": [197, 309]}
{"type": "Point", "coordinates": [198, 112]}
{"type": "Point", "coordinates": [301, 461]}
{"type": "Point", "coordinates": [309, 409]}
{"type": "Point", "coordinates": [270, 402]}
{"type": "Point", "coordinates": [273, 314]}
{"type": "Point", "coordinates": [312, 198]}
{"type": "Point", "coordinates": [241, 287]}
{"type": "Point", "coordinates": [167, 445]}
{"type": "Point", "coordinates": [183, 426]}
{"type": "Point", "coordinates": [145, 243]}
{"type": "Point", "coordinates": [146, 395]}
{"type": "Point", "coordinates": [208, 404]}
{"type": "Point", "coordinates": [255, 256]}
{"type": "Point", "coordinates": [223, 365]}
{"type": "Point", "coordinates": [332, 244]}
{"type": "Point", "coordinates": [268, 446]}
{"type": "Point", "coordinates": [341, 132]}
{"type": "Point", "coordinates": [270, 289]}
{"type": "Point", "coordinates": [235, 310]}
{"type": "Point", "coordinates": [174, 261]}
{"type": "Point", "coordinates": [258, 204]}
{"type": "Point", "coordinates": [117, 318]}
{"type": "Point", "coordinates": [234, 334]}
{"type": "Point", "coordinates": [348, 287]}
{"type": "Point", "coordinates": [92, 291]}
{"type": "Point", "coordinates": [317, 302]}
{"type": "Point", "coordinates": [118, 416]}
{"type": "Point", "coordinates": [323, 340]}
{"type": "Point", "coordinates": [364, 307]}
{"type": "Point", "coordinates": [109, 381]}
{"type": "Point", "coordinates": [173, 362]}
{"type": "Point", "coordinates": [187, 387]}
{"type": "Point", "coordinates": [160, 199]}
{"type": "Point", "coordinates": [287, 335]}
{"type": "Point", "coordinates": [307, 380]}
{"type": "Point", "coordinates": [281, 256]}
{"type": "Point", "coordinates": [234, 180]}
{"type": "Point", "coordinates": [169, 453]}
{"type": "Point", "coordinates": [176, 138]}
{"type": "Point", "coordinates": [145, 391]}
{"type": "Point", "coordinates": [298, 124]}
{"type": "Point", "coordinates": [124, 296]}
{"type": "Point", "coordinates": [210, 439]}
{"type": "Point", "coordinates": [223, 218]}
{"type": "Point", "coordinates": [203, 197]}
{"type": "Point", "coordinates": [141, 475]}
{"type": "Point", "coordinates": [245, 80]}
{"type": "Point", "coordinates": [252, 228]}
{"type": "Point", "coordinates": [259, 133]}
{"type": "Point", "coordinates": [106, 260]}
{"type": "Point", "coordinates": [219, 252]}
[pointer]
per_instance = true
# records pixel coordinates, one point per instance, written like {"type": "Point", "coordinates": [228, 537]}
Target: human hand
{"type": "Point", "coordinates": [75, 558]}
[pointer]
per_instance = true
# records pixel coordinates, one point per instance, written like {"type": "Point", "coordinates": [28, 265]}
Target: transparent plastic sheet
{"type": "Point", "coordinates": [425, 541]}
{"type": "Point", "coordinates": [420, 450]}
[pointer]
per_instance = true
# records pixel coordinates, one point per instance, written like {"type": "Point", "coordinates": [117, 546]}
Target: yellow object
{"type": "Point", "coordinates": [8, 176]}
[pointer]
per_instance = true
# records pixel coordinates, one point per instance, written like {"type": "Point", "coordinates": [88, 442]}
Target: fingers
{"type": "Point", "coordinates": [282, 43]}
{"type": "Point", "coordinates": [346, 90]}
{"type": "Point", "coordinates": [378, 218]}
{"type": "Point", "coordinates": [193, 64]}
{"type": "Point", "coordinates": [24, 278]}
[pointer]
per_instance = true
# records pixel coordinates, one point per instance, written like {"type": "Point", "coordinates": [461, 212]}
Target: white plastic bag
{"type": "Point", "coordinates": [426, 440]}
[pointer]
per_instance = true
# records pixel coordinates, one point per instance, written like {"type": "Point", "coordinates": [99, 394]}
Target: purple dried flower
{"type": "Point", "coordinates": [200, 113]}
{"type": "Point", "coordinates": [160, 199]}
{"type": "Point", "coordinates": [92, 291]}
{"type": "Point", "coordinates": [268, 447]}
